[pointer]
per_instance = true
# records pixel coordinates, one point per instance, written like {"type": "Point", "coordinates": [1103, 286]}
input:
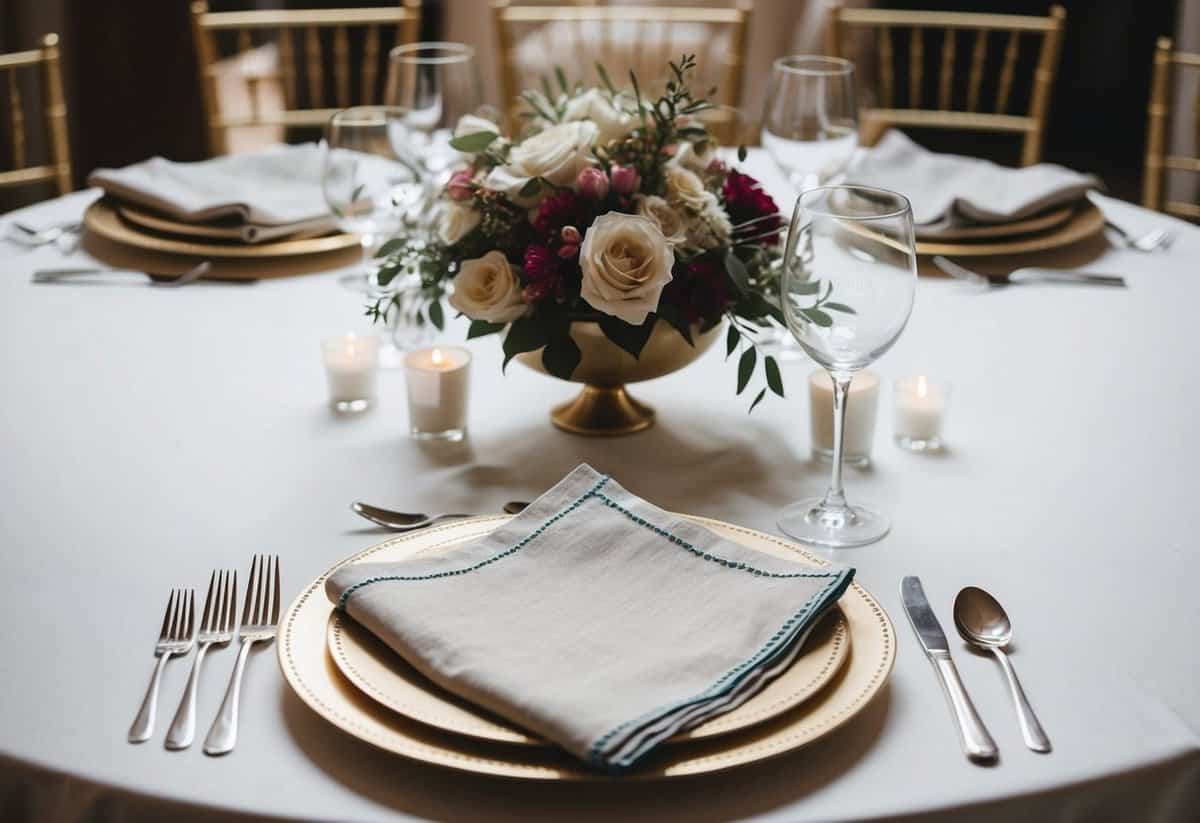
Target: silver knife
{"type": "Point", "coordinates": [976, 742]}
{"type": "Point", "coordinates": [1039, 275]}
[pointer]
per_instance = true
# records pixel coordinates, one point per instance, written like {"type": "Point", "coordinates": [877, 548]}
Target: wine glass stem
{"type": "Point", "coordinates": [835, 497]}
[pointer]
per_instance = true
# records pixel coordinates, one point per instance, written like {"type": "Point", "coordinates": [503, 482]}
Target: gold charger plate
{"type": "Point", "coordinates": [102, 218]}
{"type": "Point", "coordinates": [386, 677]}
{"type": "Point", "coordinates": [1039, 222]}
{"type": "Point", "coordinates": [1084, 223]}
{"type": "Point", "coordinates": [310, 671]}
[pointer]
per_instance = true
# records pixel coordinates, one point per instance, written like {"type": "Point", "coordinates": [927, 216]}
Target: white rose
{"type": "Point", "coordinates": [710, 229]}
{"type": "Point", "coordinates": [488, 289]}
{"type": "Point", "coordinates": [670, 222]}
{"type": "Point", "coordinates": [473, 124]}
{"type": "Point", "coordinates": [456, 222]}
{"type": "Point", "coordinates": [686, 155]}
{"type": "Point", "coordinates": [686, 190]}
{"type": "Point", "coordinates": [612, 117]}
{"type": "Point", "coordinates": [558, 154]}
{"type": "Point", "coordinates": [626, 263]}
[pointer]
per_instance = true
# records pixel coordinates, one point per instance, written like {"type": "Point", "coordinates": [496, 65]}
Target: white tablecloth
{"type": "Point", "coordinates": [150, 435]}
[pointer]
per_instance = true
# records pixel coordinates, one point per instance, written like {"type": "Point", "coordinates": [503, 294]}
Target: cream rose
{"type": "Point", "coordinates": [626, 263]}
{"type": "Point", "coordinates": [558, 154]}
{"type": "Point", "coordinates": [612, 117]}
{"type": "Point", "coordinates": [686, 190]}
{"type": "Point", "coordinates": [687, 156]}
{"type": "Point", "coordinates": [670, 222]}
{"type": "Point", "coordinates": [488, 289]}
{"type": "Point", "coordinates": [473, 124]}
{"type": "Point", "coordinates": [456, 222]}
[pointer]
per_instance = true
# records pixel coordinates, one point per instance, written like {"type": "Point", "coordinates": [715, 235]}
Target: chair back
{"type": "Point", "coordinates": [1160, 120]}
{"type": "Point", "coordinates": [534, 40]}
{"type": "Point", "coordinates": [57, 168]}
{"type": "Point", "coordinates": [293, 68]}
{"type": "Point", "coordinates": [906, 41]}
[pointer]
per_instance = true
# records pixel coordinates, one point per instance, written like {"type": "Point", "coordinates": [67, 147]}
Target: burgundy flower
{"type": "Point", "coordinates": [541, 264]}
{"type": "Point", "coordinates": [698, 290]}
{"type": "Point", "coordinates": [566, 208]}
{"type": "Point", "coordinates": [745, 200]}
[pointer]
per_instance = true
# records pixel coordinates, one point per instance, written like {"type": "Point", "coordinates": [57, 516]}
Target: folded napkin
{"type": "Point", "coordinates": [278, 188]}
{"type": "Point", "coordinates": [949, 191]}
{"type": "Point", "coordinates": [595, 619]}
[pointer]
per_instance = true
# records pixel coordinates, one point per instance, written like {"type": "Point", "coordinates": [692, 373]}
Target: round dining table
{"type": "Point", "coordinates": [149, 436]}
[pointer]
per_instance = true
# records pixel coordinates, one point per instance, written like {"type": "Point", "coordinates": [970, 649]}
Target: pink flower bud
{"type": "Point", "coordinates": [568, 251]}
{"type": "Point", "coordinates": [570, 234]}
{"type": "Point", "coordinates": [592, 184]}
{"type": "Point", "coordinates": [625, 179]}
{"type": "Point", "coordinates": [714, 166]}
{"type": "Point", "coordinates": [460, 186]}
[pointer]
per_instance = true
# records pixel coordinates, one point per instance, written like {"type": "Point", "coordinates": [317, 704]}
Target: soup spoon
{"type": "Point", "coordinates": [405, 522]}
{"type": "Point", "coordinates": [983, 623]}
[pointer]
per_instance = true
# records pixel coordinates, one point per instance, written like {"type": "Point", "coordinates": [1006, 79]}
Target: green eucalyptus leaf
{"type": "Point", "coordinates": [630, 338]}
{"type": "Point", "coordinates": [817, 316]}
{"type": "Point", "coordinates": [811, 287]}
{"type": "Point", "coordinates": [842, 307]}
{"type": "Point", "coordinates": [742, 154]}
{"type": "Point", "coordinates": [531, 188]}
{"type": "Point", "coordinates": [774, 378]}
{"type": "Point", "coordinates": [561, 356]}
{"type": "Point", "coordinates": [671, 314]}
{"type": "Point", "coordinates": [605, 79]}
{"type": "Point", "coordinates": [391, 247]}
{"type": "Point", "coordinates": [746, 367]}
{"type": "Point", "coordinates": [757, 399]}
{"type": "Point", "coordinates": [436, 316]}
{"type": "Point", "coordinates": [561, 76]}
{"type": "Point", "coordinates": [474, 143]}
{"type": "Point", "coordinates": [479, 328]}
{"type": "Point", "coordinates": [731, 340]}
{"type": "Point", "coordinates": [737, 272]}
{"type": "Point", "coordinates": [525, 334]}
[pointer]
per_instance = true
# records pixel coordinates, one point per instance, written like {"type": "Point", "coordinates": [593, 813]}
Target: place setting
{"type": "Point", "coordinates": [503, 344]}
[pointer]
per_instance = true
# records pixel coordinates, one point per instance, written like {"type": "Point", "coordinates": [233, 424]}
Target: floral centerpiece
{"type": "Point", "coordinates": [611, 208]}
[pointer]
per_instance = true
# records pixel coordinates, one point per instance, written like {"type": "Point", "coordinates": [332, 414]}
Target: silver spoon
{"type": "Point", "coordinates": [982, 622]}
{"type": "Point", "coordinates": [405, 522]}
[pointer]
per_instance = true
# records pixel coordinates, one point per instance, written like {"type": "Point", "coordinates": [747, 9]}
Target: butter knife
{"type": "Point", "coordinates": [977, 743]}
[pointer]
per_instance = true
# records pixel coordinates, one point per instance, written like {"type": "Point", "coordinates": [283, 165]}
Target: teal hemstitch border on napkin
{"type": "Point", "coordinates": [720, 686]}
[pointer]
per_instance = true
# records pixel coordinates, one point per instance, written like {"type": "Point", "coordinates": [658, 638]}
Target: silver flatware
{"type": "Point", "coordinates": [216, 629]}
{"type": "Point", "coordinates": [1030, 274]}
{"type": "Point", "coordinates": [983, 623]}
{"type": "Point", "coordinates": [1149, 241]}
{"type": "Point", "coordinates": [977, 743]}
{"type": "Point", "coordinates": [405, 521]}
{"type": "Point", "coordinates": [28, 235]}
{"type": "Point", "coordinates": [175, 638]}
{"type": "Point", "coordinates": [260, 614]}
{"type": "Point", "coordinates": [57, 275]}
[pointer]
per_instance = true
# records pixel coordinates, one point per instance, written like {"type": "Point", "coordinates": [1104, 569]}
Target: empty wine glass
{"type": "Point", "coordinates": [810, 123]}
{"type": "Point", "coordinates": [849, 277]}
{"type": "Point", "coordinates": [436, 84]}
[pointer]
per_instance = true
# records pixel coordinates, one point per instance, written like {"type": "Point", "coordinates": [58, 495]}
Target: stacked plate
{"type": "Point", "coordinates": [1055, 228]}
{"type": "Point", "coordinates": [364, 688]}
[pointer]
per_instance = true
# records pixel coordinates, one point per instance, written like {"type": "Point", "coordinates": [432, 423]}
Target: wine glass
{"type": "Point", "coordinates": [436, 84]}
{"type": "Point", "coordinates": [810, 123]}
{"type": "Point", "coordinates": [849, 277]}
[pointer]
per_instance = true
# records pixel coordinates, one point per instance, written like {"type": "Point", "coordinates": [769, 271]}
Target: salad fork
{"type": "Point", "coordinates": [259, 616]}
{"type": "Point", "coordinates": [174, 638]}
{"type": "Point", "coordinates": [216, 629]}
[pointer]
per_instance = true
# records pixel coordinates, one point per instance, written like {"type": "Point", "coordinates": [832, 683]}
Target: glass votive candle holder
{"type": "Point", "coordinates": [920, 412]}
{"type": "Point", "coordinates": [351, 366]}
{"type": "Point", "coordinates": [862, 407]}
{"type": "Point", "coordinates": [438, 379]}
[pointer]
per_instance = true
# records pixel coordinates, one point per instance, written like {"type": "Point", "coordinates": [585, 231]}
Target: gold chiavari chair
{"type": "Point", "coordinates": [1158, 162]}
{"type": "Point", "coordinates": [58, 168]}
{"type": "Point", "coordinates": [904, 106]}
{"type": "Point", "coordinates": [300, 38]}
{"type": "Point", "coordinates": [622, 38]}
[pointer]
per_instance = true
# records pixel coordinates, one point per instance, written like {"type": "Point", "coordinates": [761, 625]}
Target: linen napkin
{"type": "Point", "coordinates": [949, 191]}
{"type": "Point", "coordinates": [595, 619]}
{"type": "Point", "coordinates": [279, 187]}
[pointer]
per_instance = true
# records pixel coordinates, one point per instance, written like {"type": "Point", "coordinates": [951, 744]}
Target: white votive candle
{"type": "Point", "coordinates": [862, 404]}
{"type": "Point", "coordinates": [920, 411]}
{"type": "Point", "coordinates": [351, 364]}
{"type": "Point", "coordinates": [437, 392]}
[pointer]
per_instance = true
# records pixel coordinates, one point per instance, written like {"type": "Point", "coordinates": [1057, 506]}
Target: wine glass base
{"type": "Point", "coordinates": [808, 522]}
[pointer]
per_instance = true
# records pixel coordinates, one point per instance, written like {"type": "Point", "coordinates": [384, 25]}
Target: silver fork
{"type": "Point", "coordinates": [1152, 240]}
{"type": "Point", "coordinates": [174, 638]}
{"type": "Point", "coordinates": [216, 629]}
{"type": "Point", "coordinates": [259, 616]}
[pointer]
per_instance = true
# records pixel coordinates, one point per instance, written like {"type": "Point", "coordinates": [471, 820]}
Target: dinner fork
{"type": "Point", "coordinates": [259, 616]}
{"type": "Point", "coordinates": [1152, 240]}
{"type": "Point", "coordinates": [216, 629]}
{"type": "Point", "coordinates": [1026, 275]}
{"type": "Point", "coordinates": [174, 638]}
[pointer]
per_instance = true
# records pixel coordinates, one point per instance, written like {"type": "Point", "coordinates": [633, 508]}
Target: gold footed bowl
{"type": "Point", "coordinates": [604, 408]}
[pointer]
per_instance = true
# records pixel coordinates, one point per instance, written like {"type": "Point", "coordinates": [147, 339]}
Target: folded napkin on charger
{"type": "Point", "coordinates": [595, 619]}
{"type": "Point", "coordinates": [948, 191]}
{"type": "Point", "coordinates": [273, 193]}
